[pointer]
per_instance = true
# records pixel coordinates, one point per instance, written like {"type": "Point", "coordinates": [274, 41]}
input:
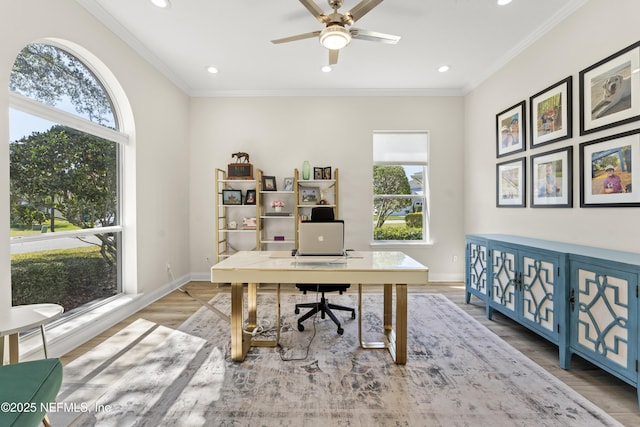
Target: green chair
{"type": "Point", "coordinates": [26, 388]}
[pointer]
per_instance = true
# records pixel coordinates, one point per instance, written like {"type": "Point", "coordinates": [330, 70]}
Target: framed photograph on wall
{"type": "Point", "coordinates": [510, 130]}
{"type": "Point", "coordinates": [550, 113]}
{"type": "Point", "coordinates": [606, 174]}
{"type": "Point", "coordinates": [551, 179]}
{"type": "Point", "coordinates": [610, 91]}
{"type": "Point", "coordinates": [510, 185]}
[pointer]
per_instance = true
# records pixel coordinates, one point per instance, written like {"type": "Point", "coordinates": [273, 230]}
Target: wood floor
{"type": "Point", "coordinates": [612, 395]}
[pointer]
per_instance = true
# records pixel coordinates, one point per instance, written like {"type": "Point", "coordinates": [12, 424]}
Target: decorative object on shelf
{"type": "Point", "coordinates": [250, 198]}
{"type": "Point", "coordinates": [248, 223]}
{"type": "Point", "coordinates": [551, 114]}
{"type": "Point", "coordinates": [510, 188]}
{"type": "Point", "coordinates": [288, 184]}
{"type": "Point", "coordinates": [232, 225]}
{"type": "Point", "coordinates": [610, 90]}
{"type": "Point", "coordinates": [231, 197]}
{"type": "Point", "coordinates": [241, 168]}
{"type": "Point", "coordinates": [309, 195]}
{"type": "Point", "coordinates": [306, 170]}
{"type": "Point", "coordinates": [606, 177]}
{"type": "Point", "coordinates": [278, 238]}
{"type": "Point", "coordinates": [318, 173]}
{"type": "Point", "coordinates": [326, 172]}
{"type": "Point", "coordinates": [551, 178]}
{"type": "Point", "coordinates": [277, 205]}
{"type": "Point", "coordinates": [269, 183]}
{"type": "Point", "coordinates": [510, 130]}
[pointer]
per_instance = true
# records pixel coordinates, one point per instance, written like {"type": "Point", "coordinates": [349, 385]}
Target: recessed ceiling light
{"type": "Point", "coordinates": [443, 69]}
{"type": "Point", "coordinates": [503, 2]}
{"type": "Point", "coordinates": [212, 69]}
{"type": "Point", "coordinates": [161, 3]}
{"type": "Point", "coordinates": [326, 69]}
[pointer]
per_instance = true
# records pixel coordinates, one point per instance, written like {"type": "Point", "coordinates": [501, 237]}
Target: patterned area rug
{"type": "Point", "coordinates": [458, 373]}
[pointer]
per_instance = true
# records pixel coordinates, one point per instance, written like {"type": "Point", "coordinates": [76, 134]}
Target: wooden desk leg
{"type": "Point", "coordinates": [388, 307]}
{"type": "Point", "coordinates": [13, 349]}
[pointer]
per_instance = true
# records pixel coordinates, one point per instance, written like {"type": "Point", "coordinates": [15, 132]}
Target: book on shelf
{"type": "Point", "coordinates": [278, 213]}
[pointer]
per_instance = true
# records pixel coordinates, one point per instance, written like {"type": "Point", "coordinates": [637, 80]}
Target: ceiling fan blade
{"type": "Point", "coordinates": [374, 36]}
{"type": "Point", "coordinates": [298, 37]}
{"type": "Point", "coordinates": [333, 56]}
{"type": "Point", "coordinates": [361, 9]}
{"type": "Point", "coordinates": [315, 10]}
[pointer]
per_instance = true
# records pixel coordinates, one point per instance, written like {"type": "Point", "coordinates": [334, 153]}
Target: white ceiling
{"type": "Point", "coordinates": [474, 37]}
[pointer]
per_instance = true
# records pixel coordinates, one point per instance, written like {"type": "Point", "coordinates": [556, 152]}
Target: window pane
{"type": "Point", "coordinates": [68, 271]}
{"type": "Point", "coordinates": [54, 77]}
{"type": "Point", "coordinates": [398, 202]}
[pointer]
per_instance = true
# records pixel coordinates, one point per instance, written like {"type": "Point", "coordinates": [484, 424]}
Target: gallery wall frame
{"type": "Point", "coordinates": [610, 91]}
{"type": "Point", "coordinates": [606, 173]}
{"type": "Point", "coordinates": [551, 182]}
{"type": "Point", "coordinates": [550, 114]}
{"type": "Point", "coordinates": [511, 130]}
{"type": "Point", "coordinates": [510, 184]}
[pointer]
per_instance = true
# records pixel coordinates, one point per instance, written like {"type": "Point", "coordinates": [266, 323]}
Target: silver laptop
{"type": "Point", "coordinates": [321, 238]}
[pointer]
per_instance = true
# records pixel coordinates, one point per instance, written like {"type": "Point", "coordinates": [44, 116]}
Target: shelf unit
{"type": "Point", "coordinates": [327, 196]}
{"type": "Point", "coordinates": [229, 241]}
{"type": "Point", "coordinates": [274, 224]}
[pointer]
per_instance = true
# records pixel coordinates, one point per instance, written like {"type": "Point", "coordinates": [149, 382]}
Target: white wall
{"type": "Point", "coordinates": [280, 133]}
{"type": "Point", "coordinates": [597, 30]}
{"type": "Point", "coordinates": [161, 136]}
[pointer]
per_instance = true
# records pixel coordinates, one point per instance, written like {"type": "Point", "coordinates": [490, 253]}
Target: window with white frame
{"type": "Point", "coordinates": [400, 186]}
{"type": "Point", "coordinates": [65, 173]}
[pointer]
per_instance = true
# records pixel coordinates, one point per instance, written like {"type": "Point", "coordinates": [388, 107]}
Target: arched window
{"type": "Point", "coordinates": [65, 180]}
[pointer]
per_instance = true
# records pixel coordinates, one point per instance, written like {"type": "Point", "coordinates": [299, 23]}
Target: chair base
{"type": "Point", "coordinates": [324, 308]}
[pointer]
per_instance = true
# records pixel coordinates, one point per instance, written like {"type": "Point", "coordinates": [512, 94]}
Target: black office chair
{"type": "Point", "coordinates": [323, 213]}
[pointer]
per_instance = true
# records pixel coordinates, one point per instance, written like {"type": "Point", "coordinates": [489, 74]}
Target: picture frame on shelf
{"type": "Point", "coordinates": [551, 114]}
{"type": "Point", "coordinates": [606, 176]}
{"type": "Point", "coordinates": [510, 130]}
{"type": "Point", "coordinates": [231, 197]}
{"type": "Point", "coordinates": [551, 179]}
{"type": "Point", "coordinates": [610, 91]}
{"type": "Point", "coordinates": [510, 184]}
{"type": "Point", "coordinates": [326, 172]}
{"type": "Point", "coordinates": [318, 173]}
{"type": "Point", "coordinates": [287, 184]}
{"type": "Point", "coordinates": [269, 183]}
{"type": "Point", "coordinates": [309, 196]}
{"type": "Point", "coordinates": [250, 197]}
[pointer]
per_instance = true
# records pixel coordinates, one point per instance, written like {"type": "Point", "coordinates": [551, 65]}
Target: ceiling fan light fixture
{"type": "Point", "coordinates": [335, 37]}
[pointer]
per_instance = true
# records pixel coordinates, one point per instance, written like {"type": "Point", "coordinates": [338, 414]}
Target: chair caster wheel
{"type": "Point", "coordinates": [300, 327]}
{"type": "Point", "coordinates": [340, 331]}
{"type": "Point", "coordinates": [353, 315]}
{"type": "Point", "coordinates": [297, 310]}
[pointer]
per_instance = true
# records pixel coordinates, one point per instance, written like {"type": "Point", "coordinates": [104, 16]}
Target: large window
{"type": "Point", "coordinates": [400, 187]}
{"type": "Point", "coordinates": [65, 157]}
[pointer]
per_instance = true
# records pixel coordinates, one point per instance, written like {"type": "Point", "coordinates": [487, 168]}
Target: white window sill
{"type": "Point", "coordinates": [401, 244]}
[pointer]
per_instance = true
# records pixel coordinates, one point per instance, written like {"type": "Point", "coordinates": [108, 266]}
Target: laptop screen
{"type": "Point", "coordinates": [321, 238]}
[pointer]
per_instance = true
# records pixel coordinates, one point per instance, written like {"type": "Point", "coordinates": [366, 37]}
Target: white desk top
{"type": "Point", "coordinates": [24, 317]}
{"type": "Point", "coordinates": [377, 267]}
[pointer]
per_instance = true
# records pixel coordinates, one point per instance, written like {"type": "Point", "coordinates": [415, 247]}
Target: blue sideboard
{"type": "Point", "coordinates": [583, 299]}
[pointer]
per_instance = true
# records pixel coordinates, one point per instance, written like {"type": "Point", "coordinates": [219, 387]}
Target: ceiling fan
{"type": "Point", "coordinates": [337, 33]}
